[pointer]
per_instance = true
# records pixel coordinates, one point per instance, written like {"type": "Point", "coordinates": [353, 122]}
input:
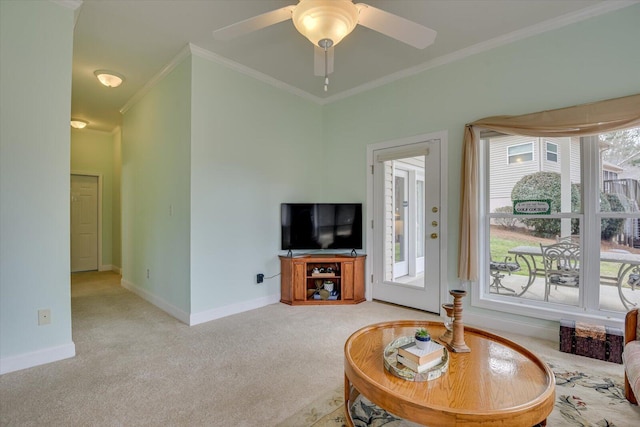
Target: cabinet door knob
{"type": "Point", "coordinates": [434, 235]}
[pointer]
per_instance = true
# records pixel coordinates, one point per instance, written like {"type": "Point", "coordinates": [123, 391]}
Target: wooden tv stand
{"type": "Point", "coordinates": [298, 277]}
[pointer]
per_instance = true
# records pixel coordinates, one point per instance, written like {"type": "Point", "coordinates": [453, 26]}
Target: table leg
{"type": "Point", "coordinates": [347, 393]}
{"type": "Point", "coordinates": [533, 271]}
{"type": "Point", "coordinates": [622, 271]}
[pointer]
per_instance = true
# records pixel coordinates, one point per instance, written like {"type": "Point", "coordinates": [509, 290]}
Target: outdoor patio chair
{"type": "Point", "coordinates": [561, 263]}
{"type": "Point", "coordinates": [497, 270]}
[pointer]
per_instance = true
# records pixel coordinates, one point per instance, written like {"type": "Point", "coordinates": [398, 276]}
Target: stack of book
{"type": "Point", "coordinates": [420, 360]}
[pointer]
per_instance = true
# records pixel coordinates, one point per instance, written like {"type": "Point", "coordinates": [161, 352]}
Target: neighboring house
{"type": "Point", "coordinates": [513, 157]}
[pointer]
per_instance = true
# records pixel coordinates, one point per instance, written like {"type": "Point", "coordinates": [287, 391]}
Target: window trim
{"type": "Point", "coordinates": [587, 308]}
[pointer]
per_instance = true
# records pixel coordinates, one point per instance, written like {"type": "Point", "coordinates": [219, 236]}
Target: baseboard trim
{"type": "Point", "coordinates": [105, 267]}
{"type": "Point", "coordinates": [157, 301]}
{"type": "Point", "coordinates": [512, 326]}
{"type": "Point", "coordinates": [36, 358]}
{"type": "Point", "coordinates": [116, 269]}
{"type": "Point", "coordinates": [228, 310]}
{"type": "Point", "coordinates": [203, 316]}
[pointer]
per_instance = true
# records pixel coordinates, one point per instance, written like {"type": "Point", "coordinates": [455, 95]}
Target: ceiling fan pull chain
{"type": "Point", "coordinates": [326, 44]}
{"type": "Point", "coordinates": [326, 70]}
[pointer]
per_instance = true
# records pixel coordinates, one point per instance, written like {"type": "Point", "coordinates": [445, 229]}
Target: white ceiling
{"type": "Point", "coordinates": [139, 38]}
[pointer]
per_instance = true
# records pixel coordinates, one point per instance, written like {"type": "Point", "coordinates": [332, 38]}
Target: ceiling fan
{"type": "Point", "coordinates": [326, 22]}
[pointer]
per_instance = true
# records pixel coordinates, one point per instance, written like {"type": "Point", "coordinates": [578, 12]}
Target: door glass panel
{"type": "Point", "coordinates": [399, 211]}
{"type": "Point", "coordinates": [420, 218]}
{"type": "Point", "coordinates": [404, 221]}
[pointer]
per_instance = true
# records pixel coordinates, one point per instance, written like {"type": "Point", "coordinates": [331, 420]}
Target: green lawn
{"type": "Point", "coordinates": [500, 249]}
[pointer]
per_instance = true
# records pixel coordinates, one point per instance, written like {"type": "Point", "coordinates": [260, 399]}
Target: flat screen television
{"type": "Point", "coordinates": [321, 226]}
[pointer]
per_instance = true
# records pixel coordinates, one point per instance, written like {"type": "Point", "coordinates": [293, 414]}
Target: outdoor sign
{"type": "Point", "coordinates": [532, 207]}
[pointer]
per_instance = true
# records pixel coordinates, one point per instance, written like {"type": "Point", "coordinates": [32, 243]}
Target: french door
{"type": "Point", "coordinates": [406, 217]}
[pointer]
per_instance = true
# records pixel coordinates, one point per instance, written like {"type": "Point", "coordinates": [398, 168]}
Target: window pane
{"type": "Point", "coordinates": [559, 182]}
{"type": "Point", "coordinates": [619, 267]}
{"type": "Point", "coordinates": [516, 267]}
{"type": "Point", "coordinates": [519, 149]}
{"type": "Point", "coordinates": [552, 152]}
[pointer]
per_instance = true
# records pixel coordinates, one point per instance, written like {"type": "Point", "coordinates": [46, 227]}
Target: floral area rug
{"type": "Point", "coordinates": [583, 398]}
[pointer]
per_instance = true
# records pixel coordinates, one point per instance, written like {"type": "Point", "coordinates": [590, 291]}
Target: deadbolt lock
{"type": "Point", "coordinates": [434, 209]}
{"type": "Point", "coordinates": [434, 223]}
{"type": "Point", "coordinates": [434, 235]}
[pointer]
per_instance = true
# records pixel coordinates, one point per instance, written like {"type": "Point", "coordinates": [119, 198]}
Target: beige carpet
{"type": "Point", "coordinates": [138, 366]}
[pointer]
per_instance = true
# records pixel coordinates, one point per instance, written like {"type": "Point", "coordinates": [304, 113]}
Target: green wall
{"type": "Point", "coordinates": [155, 189]}
{"type": "Point", "coordinates": [253, 147]}
{"type": "Point", "coordinates": [116, 202]}
{"type": "Point", "coordinates": [225, 150]}
{"type": "Point", "coordinates": [94, 152]}
{"type": "Point", "coordinates": [584, 62]}
{"type": "Point", "coordinates": [36, 41]}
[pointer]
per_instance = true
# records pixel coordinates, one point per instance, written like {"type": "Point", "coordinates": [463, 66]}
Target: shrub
{"type": "Point", "coordinates": [509, 222]}
{"type": "Point", "coordinates": [545, 185]}
{"type": "Point", "coordinates": [613, 226]}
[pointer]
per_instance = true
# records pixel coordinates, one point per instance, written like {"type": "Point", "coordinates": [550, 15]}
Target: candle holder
{"type": "Point", "coordinates": [448, 335]}
{"type": "Point", "coordinates": [457, 342]}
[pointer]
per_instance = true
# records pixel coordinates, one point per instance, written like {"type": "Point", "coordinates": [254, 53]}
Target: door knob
{"type": "Point", "coordinates": [434, 235]}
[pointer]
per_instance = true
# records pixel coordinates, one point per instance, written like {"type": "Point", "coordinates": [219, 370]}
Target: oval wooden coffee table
{"type": "Point", "coordinates": [498, 383]}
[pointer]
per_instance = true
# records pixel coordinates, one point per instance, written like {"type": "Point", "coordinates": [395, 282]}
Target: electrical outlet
{"type": "Point", "coordinates": [260, 278]}
{"type": "Point", "coordinates": [44, 316]}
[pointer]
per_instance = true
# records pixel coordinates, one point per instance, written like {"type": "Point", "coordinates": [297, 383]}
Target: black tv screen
{"type": "Point", "coordinates": [321, 226]}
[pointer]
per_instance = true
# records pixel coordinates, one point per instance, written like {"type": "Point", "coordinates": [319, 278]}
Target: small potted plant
{"type": "Point", "coordinates": [422, 338]}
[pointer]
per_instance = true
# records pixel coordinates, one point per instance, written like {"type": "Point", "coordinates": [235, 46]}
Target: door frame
{"type": "Point", "coordinates": [99, 176]}
{"type": "Point", "coordinates": [370, 208]}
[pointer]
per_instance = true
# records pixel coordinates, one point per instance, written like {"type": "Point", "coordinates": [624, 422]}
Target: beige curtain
{"type": "Point", "coordinates": [587, 119]}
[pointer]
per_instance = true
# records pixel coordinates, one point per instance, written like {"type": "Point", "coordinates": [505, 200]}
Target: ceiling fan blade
{"type": "Point", "coordinates": [318, 61]}
{"type": "Point", "coordinates": [396, 27]}
{"type": "Point", "coordinates": [253, 24]}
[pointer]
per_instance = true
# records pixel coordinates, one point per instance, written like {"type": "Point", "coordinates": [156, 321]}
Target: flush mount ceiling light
{"type": "Point", "coordinates": [109, 78]}
{"type": "Point", "coordinates": [78, 124]}
{"type": "Point", "coordinates": [326, 22]}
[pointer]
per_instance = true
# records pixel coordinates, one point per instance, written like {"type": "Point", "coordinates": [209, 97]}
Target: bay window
{"type": "Point", "coordinates": [559, 198]}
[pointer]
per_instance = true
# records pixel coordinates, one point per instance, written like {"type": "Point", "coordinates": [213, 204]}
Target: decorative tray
{"type": "Point", "coordinates": [399, 370]}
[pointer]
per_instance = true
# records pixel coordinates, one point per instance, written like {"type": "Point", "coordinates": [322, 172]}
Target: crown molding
{"type": "Point", "coordinates": [543, 27]}
{"type": "Point", "coordinates": [71, 4]}
{"type": "Point", "coordinates": [184, 53]}
{"type": "Point", "coordinates": [549, 25]}
{"type": "Point", "coordinates": [203, 53]}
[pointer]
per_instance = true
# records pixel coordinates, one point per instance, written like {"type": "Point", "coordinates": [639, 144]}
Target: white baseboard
{"type": "Point", "coordinates": [105, 267]}
{"type": "Point", "coordinates": [116, 269]}
{"type": "Point", "coordinates": [157, 301]}
{"type": "Point", "coordinates": [513, 326]}
{"type": "Point", "coordinates": [203, 316]}
{"type": "Point", "coordinates": [217, 313]}
{"type": "Point", "coordinates": [36, 358]}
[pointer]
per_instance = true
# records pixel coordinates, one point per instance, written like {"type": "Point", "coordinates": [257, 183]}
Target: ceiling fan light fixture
{"type": "Point", "coordinates": [325, 19]}
{"type": "Point", "coordinates": [109, 78]}
{"type": "Point", "coordinates": [78, 124]}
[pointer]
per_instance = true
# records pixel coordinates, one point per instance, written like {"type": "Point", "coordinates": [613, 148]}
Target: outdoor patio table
{"type": "Point", "coordinates": [628, 262]}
